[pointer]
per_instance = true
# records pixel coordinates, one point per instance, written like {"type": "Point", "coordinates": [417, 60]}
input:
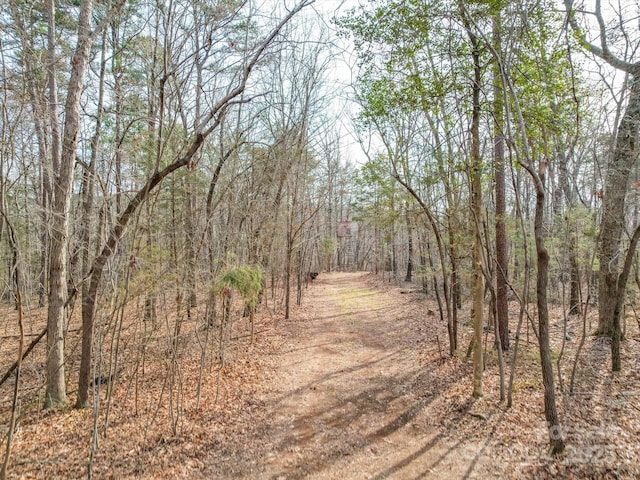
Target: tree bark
{"type": "Point", "coordinates": [409, 276]}
{"type": "Point", "coordinates": [55, 390]}
{"type": "Point", "coordinates": [502, 259]}
{"type": "Point", "coordinates": [612, 224]}
{"type": "Point", "coordinates": [619, 166]}
{"type": "Point", "coordinates": [616, 363]}
{"type": "Point", "coordinates": [555, 434]}
{"type": "Point", "coordinates": [476, 212]}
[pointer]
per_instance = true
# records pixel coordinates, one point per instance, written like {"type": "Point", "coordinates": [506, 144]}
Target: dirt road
{"type": "Point", "coordinates": [358, 384]}
{"type": "Point", "coordinates": [350, 399]}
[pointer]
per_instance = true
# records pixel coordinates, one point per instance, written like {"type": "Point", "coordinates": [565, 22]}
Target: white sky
{"type": "Point", "coordinates": [343, 75]}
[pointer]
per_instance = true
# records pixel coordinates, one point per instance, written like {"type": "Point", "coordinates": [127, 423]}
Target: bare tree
{"type": "Point", "coordinates": [210, 121]}
{"type": "Point", "coordinates": [63, 163]}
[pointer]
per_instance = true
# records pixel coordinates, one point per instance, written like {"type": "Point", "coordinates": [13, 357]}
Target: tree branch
{"type": "Point", "coordinates": [603, 51]}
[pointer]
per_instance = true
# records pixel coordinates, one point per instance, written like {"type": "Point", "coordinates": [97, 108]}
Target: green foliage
{"type": "Point", "coordinates": [247, 280]}
{"type": "Point", "coordinates": [413, 40]}
{"type": "Point", "coordinates": [150, 270]}
{"type": "Point", "coordinates": [329, 245]}
{"type": "Point", "coordinates": [376, 193]}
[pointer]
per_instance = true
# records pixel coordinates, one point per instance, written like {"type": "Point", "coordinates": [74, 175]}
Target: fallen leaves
{"type": "Point", "coordinates": [154, 429]}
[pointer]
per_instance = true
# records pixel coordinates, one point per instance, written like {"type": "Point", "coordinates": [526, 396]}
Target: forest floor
{"type": "Point", "coordinates": [357, 384]}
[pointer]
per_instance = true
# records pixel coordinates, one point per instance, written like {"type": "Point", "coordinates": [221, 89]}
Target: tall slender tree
{"type": "Point", "coordinates": [63, 155]}
{"type": "Point", "coordinates": [499, 168]}
{"type": "Point", "coordinates": [475, 172]}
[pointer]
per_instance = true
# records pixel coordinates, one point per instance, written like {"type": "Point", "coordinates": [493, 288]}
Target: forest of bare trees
{"type": "Point", "coordinates": [161, 162]}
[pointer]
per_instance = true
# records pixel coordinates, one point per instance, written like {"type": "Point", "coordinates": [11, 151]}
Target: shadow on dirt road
{"type": "Point", "coordinates": [351, 397]}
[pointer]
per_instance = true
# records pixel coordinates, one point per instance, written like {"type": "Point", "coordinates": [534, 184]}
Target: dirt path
{"type": "Point", "coordinates": [349, 399]}
{"type": "Point", "coordinates": [357, 384]}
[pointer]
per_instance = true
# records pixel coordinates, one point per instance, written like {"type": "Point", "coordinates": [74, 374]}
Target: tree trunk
{"type": "Point", "coordinates": [476, 212]}
{"type": "Point", "coordinates": [55, 388]}
{"type": "Point", "coordinates": [86, 238]}
{"type": "Point", "coordinates": [502, 259]}
{"type": "Point", "coordinates": [287, 273]}
{"type": "Point", "coordinates": [612, 224]}
{"type": "Point", "coordinates": [616, 363]}
{"type": "Point", "coordinates": [55, 391]}
{"type": "Point", "coordinates": [555, 433]}
{"type": "Point", "coordinates": [409, 275]}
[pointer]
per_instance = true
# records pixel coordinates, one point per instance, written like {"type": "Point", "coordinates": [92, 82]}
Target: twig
{"type": "Point", "coordinates": [16, 388]}
{"type": "Point", "coordinates": [33, 343]}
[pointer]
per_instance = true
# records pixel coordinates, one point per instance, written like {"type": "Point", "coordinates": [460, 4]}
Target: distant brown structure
{"type": "Point", "coordinates": [344, 229]}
